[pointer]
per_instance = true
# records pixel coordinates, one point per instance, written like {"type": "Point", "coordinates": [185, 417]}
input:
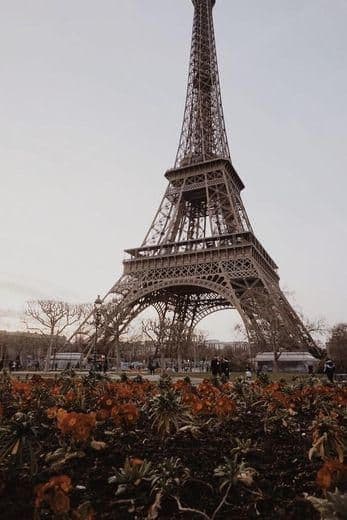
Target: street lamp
{"type": "Point", "coordinates": [97, 318]}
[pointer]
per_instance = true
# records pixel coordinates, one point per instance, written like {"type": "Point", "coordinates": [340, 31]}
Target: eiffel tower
{"type": "Point", "coordinates": [200, 254]}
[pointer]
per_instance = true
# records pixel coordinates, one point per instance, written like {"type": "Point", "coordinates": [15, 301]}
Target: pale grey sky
{"type": "Point", "coordinates": [91, 105]}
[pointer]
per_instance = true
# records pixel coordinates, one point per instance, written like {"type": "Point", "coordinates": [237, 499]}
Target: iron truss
{"type": "Point", "coordinates": [203, 135]}
{"type": "Point", "coordinates": [200, 254]}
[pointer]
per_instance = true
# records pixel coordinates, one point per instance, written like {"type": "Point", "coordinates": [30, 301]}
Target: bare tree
{"type": "Point", "coordinates": [267, 321]}
{"type": "Point", "coordinates": [270, 331]}
{"type": "Point", "coordinates": [171, 339]}
{"type": "Point", "coordinates": [52, 318]}
{"type": "Point", "coordinates": [239, 359]}
{"type": "Point", "coordinates": [198, 346]}
{"type": "Point", "coordinates": [337, 345]}
{"type": "Point", "coordinates": [316, 327]}
{"type": "Point", "coordinates": [133, 348]}
{"type": "Point", "coordinates": [157, 332]}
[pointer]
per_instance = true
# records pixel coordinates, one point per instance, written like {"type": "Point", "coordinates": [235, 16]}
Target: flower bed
{"type": "Point", "coordinates": [94, 448]}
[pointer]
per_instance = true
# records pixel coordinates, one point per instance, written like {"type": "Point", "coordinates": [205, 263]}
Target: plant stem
{"type": "Point", "coordinates": [189, 510]}
{"type": "Point", "coordinates": [222, 502]}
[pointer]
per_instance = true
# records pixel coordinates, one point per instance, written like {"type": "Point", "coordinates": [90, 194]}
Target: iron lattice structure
{"type": "Point", "coordinates": [203, 135]}
{"type": "Point", "coordinates": [200, 254]}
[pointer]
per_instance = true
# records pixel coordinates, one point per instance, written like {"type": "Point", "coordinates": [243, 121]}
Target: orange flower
{"type": "Point", "coordinates": [107, 402]}
{"type": "Point", "coordinates": [62, 419]}
{"type": "Point", "coordinates": [54, 493]}
{"type": "Point", "coordinates": [188, 397]}
{"type": "Point", "coordinates": [341, 397]}
{"type": "Point", "coordinates": [21, 388]}
{"type": "Point", "coordinates": [102, 415]}
{"type": "Point", "coordinates": [56, 390]}
{"type": "Point", "coordinates": [206, 389]}
{"type": "Point", "coordinates": [197, 405]}
{"type": "Point", "coordinates": [226, 387]}
{"type": "Point", "coordinates": [224, 406]}
{"type": "Point", "coordinates": [124, 391]}
{"type": "Point", "coordinates": [60, 502]}
{"type": "Point", "coordinates": [62, 481]}
{"type": "Point", "coordinates": [70, 395]}
{"type": "Point", "coordinates": [60, 414]}
{"type": "Point", "coordinates": [125, 414]}
{"type": "Point", "coordinates": [78, 425]}
{"type": "Point", "coordinates": [180, 385]}
{"type": "Point", "coordinates": [134, 461]}
{"type": "Point", "coordinates": [52, 412]}
{"type": "Point", "coordinates": [330, 473]}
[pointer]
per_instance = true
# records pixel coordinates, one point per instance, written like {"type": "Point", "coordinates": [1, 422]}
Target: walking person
{"type": "Point", "coordinates": [151, 367]}
{"type": "Point", "coordinates": [225, 367]}
{"type": "Point", "coordinates": [219, 366]}
{"type": "Point", "coordinates": [215, 366]}
{"type": "Point", "coordinates": [329, 369]}
{"type": "Point", "coordinates": [248, 373]}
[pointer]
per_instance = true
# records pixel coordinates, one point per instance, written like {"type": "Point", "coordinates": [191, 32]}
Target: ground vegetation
{"type": "Point", "coordinates": [84, 448]}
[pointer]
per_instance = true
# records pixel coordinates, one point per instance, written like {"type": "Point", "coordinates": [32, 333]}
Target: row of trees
{"type": "Point", "coordinates": [159, 339]}
{"type": "Point", "coordinates": [53, 319]}
{"type": "Point", "coordinates": [174, 341]}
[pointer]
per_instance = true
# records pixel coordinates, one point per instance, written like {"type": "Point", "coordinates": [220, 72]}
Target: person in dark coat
{"type": "Point", "coordinates": [215, 366]}
{"type": "Point", "coordinates": [151, 366]}
{"type": "Point", "coordinates": [329, 369]}
{"type": "Point", "coordinates": [225, 368]}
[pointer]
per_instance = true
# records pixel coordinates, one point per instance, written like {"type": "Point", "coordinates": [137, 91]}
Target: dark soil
{"type": "Point", "coordinates": [279, 456]}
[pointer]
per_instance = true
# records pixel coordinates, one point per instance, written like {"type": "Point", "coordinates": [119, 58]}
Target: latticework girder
{"type": "Point", "coordinates": [200, 254]}
{"type": "Point", "coordinates": [195, 290]}
{"type": "Point", "coordinates": [203, 135]}
{"type": "Point", "coordinates": [200, 202]}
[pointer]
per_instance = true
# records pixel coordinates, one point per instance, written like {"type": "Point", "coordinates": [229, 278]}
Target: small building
{"type": "Point", "coordinates": [63, 360]}
{"type": "Point", "coordinates": [233, 347]}
{"type": "Point", "coordinates": [288, 362]}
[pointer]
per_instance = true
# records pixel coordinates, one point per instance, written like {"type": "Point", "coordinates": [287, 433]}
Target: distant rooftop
{"type": "Point", "coordinates": [286, 356]}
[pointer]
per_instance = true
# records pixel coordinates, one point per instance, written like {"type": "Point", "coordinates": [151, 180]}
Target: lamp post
{"type": "Point", "coordinates": [97, 317]}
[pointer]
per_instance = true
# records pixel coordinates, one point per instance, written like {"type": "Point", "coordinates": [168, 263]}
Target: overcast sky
{"type": "Point", "coordinates": [91, 106]}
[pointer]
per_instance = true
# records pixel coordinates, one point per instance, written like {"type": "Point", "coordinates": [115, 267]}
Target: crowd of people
{"type": "Point", "coordinates": [14, 364]}
{"type": "Point", "coordinates": [220, 367]}
{"type": "Point", "coordinates": [186, 366]}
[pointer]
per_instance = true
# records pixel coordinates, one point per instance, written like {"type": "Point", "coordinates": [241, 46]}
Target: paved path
{"type": "Point", "coordinates": [23, 374]}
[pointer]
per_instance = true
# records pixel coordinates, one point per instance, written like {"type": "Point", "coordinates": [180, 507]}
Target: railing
{"type": "Point", "coordinates": [233, 240]}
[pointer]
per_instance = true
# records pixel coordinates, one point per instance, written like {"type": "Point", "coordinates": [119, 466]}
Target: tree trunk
{"type": "Point", "coordinates": [276, 368]}
{"type": "Point", "coordinates": [195, 355]}
{"type": "Point", "coordinates": [117, 352]}
{"type": "Point", "coordinates": [162, 359]}
{"type": "Point", "coordinates": [49, 354]}
{"type": "Point", "coordinates": [179, 357]}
